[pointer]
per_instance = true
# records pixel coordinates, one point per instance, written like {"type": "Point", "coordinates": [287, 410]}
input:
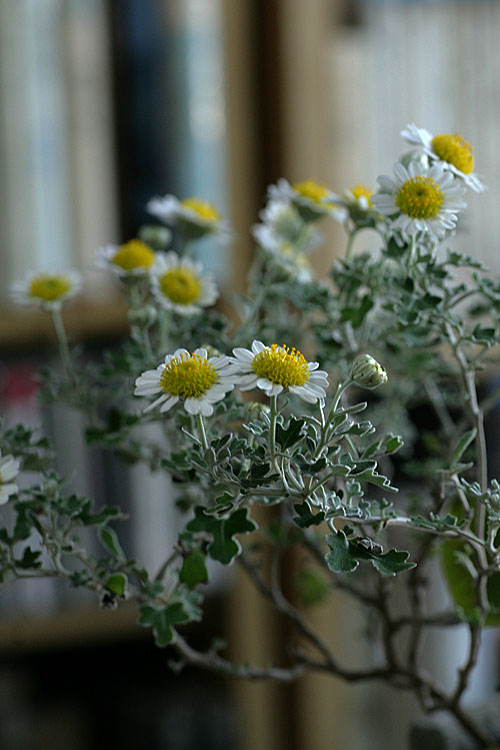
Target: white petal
{"type": "Point", "coordinates": [400, 172]}
{"type": "Point", "coordinates": [9, 470]}
{"type": "Point", "coordinates": [387, 184]}
{"type": "Point", "coordinates": [169, 403]}
{"type": "Point", "coordinates": [258, 347]}
{"type": "Point", "coordinates": [192, 405]}
{"type": "Point", "coordinates": [243, 354]}
{"type": "Point", "coordinates": [160, 400]}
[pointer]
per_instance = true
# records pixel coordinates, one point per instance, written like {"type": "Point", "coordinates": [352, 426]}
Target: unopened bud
{"type": "Point", "coordinates": [367, 372]}
{"type": "Point", "coordinates": [155, 236]}
{"type": "Point", "coordinates": [144, 316]}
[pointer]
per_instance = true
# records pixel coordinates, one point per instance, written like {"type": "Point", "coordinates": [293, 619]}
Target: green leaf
{"type": "Point", "coordinates": [161, 620]}
{"type": "Point", "coordinates": [194, 569]}
{"type": "Point", "coordinates": [286, 437]}
{"type": "Point", "coordinates": [306, 518]}
{"type": "Point", "coordinates": [105, 514]}
{"type": "Point", "coordinates": [310, 469]}
{"type": "Point", "coordinates": [340, 559]}
{"type": "Point", "coordinates": [109, 539]}
{"type": "Point", "coordinates": [357, 314]}
{"type": "Point", "coordinates": [462, 446]}
{"type": "Point", "coordinates": [117, 583]}
{"type": "Point", "coordinates": [312, 587]}
{"type": "Point", "coordinates": [437, 523]}
{"type": "Point", "coordinates": [30, 559]}
{"type": "Point", "coordinates": [223, 546]}
{"type": "Point", "coordinates": [461, 583]}
{"type": "Point", "coordinates": [392, 562]}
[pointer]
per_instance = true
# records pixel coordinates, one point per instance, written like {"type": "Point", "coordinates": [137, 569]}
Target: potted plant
{"type": "Point", "coordinates": [351, 408]}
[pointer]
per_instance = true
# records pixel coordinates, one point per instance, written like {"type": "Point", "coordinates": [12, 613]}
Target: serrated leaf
{"type": "Point", "coordinates": [306, 518]}
{"type": "Point", "coordinates": [161, 620]}
{"type": "Point", "coordinates": [340, 559]}
{"type": "Point", "coordinates": [194, 569]}
{"type": "Point", "coordinates": [286, 437]}
{"type": "Point", "coordinates": [392, 562]}
{"type": "Point", "coordinates": [105, 515]}
{"type": "Point", "coordinates": [357, 314]}
{"type": "Point", "coordinates": [223, 546]}
{"type": "Point", "coordinates": [30, 559]}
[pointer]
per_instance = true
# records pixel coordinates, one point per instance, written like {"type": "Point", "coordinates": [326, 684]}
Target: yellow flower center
{"type": "Point", "coordinates": [420, 197]}
{"type": "Point", "coordinates": [281, 366]}
{"type": "Point", "coordinates": [49, 287]}
{"type": "Point", "coordinates": [181, 285]}
{"type": "Point", "coordinates": [189, 376]}
{"type": "Point", "coordinates": [360, 191]}
{"type": "Point", "coordinates": [133, 254]}
{"type": "Point", "coordinates": [291, 254]}
{"type": "Point", "coordinates": [455, 150]}
{"type": "Point", "coordinates": [205, 211]}
{"type": "Point", "coordinates": [312, 190]}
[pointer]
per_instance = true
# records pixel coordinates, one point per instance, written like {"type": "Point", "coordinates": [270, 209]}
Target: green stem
{"type": "Point", "coordinates": [62, 338]}
{"type": "Point", "coordinates": [341, 388]}
{"type": "Point", "coordinates": [350, 243]}
{"type": "Point", "coordinates": [272, 426]}
{"type": "Point", "coordinates": [410, 260]}
{"type": "Point", "coordinates": [202, 431]}
{"type": "Point", "coordinates": [164, 327]}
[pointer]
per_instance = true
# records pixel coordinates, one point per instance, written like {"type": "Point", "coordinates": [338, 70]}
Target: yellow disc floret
{"type": "Point", "coordinates": [281, 366]}
{"type": "Point", "coordinates": [49, 287]}
{"type": "Point", "coordinates": [188, 376]}
{"type": "Point", "coordinates": [181, 285]}
{"type": "Point", "coordinates": [203, 210]}
{"type": "Point", "coordinates": [312, 190]}
{"type": "Point", "coordinates": [360, 191]}
{"type": "Point", "coordinates": [455, 150]}
{"type": "Point", "coordinates": [420, 197]}
{"type": "Point", "coordinates": [133, 254]}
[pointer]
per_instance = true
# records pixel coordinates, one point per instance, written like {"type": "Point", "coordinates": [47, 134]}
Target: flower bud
{"type": "Point", "coordinates": [157, 237]}
{"type": "Point", "coordinates": [367, 372]}
{"type": "Point", "coordinates": [144, 316]}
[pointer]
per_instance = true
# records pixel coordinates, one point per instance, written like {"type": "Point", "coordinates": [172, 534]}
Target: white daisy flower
{"type": "Point", "coordinates": [193, 217]}
{"type": "Point", "coordinates": [419, 199]}
{"type": "Point", "coordinates": [47, 289]}
{"type": "Point", "coordinates": [134, 258]}
{"type": "Point", "coordinates": [283, 218]}
{"type": "Point", "coordinates": [356, 203]}
{"type": "Point", "coordinates": [283, 253]}
{"type": "Point", "coordinates": [358, 196]}
{"type": "Point", "coordinates": [195, 379]}
{"type": "Point", "coordinates": [451, 149]}
{"type": "Point", "coordinates": [9, 469]}
{"type": "Point", "coordinates": [276, 368]}
{"type": "Point", "coordinates": [179, 284]}
{"type": "Point", "coordinates": [311, 199]}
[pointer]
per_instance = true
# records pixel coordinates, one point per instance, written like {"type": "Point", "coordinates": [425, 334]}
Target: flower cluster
{"type": "Point", "coordinates": [200, 381]}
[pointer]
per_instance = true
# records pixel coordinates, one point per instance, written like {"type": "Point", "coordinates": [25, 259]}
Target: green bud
{"type": "Point", "coordinates": [367, 372]}
{"type": "Point", "coordinates": [255, 409]}
{"type": "Point", "coordinates": [144, 316]}
{"type": "Point", "coordinates": [155, 236]}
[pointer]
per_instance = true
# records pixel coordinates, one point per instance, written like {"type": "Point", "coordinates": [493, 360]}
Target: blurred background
{"type": "Point", "coordinates": [104, 103]}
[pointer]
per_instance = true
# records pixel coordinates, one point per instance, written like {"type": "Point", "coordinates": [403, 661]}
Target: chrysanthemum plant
{"type": "Point", "coordinates": [351, 408]}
